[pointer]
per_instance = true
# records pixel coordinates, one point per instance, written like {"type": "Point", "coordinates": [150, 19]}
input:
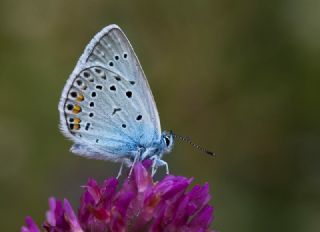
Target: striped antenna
{"type": "Point", "coordinates": [188, 140]}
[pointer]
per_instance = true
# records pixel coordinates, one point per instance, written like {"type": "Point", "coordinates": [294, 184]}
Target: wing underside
{"type": "Point", "coordinates": [107, 104]}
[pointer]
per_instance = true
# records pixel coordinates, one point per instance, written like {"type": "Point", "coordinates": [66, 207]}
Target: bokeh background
{"type": "Point", "coordinates": [238, 77]}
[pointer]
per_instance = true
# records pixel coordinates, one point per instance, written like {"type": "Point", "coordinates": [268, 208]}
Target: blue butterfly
{"type": "Point", "coordinates": [107, 108]}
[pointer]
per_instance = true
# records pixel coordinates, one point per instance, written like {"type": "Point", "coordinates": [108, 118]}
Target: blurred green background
{"type": "Point", "coordinates": [239, 77]}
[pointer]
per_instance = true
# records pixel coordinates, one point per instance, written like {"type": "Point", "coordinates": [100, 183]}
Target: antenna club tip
{"type": "Point", "coordinates": [210, 153]}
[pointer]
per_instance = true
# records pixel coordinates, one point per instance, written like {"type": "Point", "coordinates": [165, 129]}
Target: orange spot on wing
{"type": "Point", "coordinates": [77, 120]}
{"type": "Point", "coordinates": [76, 109]}
{"type": "Point", "coordinates": [80, 98]}
{"type": "Point", "coordinates": [76, 126]}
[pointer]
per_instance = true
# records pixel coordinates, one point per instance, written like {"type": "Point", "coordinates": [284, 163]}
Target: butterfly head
{"type": "Point", "coordinates": [167, 141]}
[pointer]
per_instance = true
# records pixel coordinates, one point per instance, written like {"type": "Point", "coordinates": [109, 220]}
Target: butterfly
{"type": "Point", "coordinates": [107, 108]}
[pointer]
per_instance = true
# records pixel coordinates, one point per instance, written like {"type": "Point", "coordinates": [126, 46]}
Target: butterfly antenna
{"type": "Point", "coordinates": [188, 140]}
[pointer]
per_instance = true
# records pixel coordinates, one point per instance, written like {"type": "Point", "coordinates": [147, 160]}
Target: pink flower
{"type": "Point", "coordinates": [138, 205]}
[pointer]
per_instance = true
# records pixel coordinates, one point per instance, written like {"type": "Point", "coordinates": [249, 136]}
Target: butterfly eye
{"type": "Point", "coordinates": [167, 141]}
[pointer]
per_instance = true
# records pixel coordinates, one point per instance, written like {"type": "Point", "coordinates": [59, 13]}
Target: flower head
{"type": "Point", "coordinates": [138, 205]}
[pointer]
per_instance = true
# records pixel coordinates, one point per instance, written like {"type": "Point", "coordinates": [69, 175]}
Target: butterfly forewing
{"type": "Point", "coordinates": [112, 49]}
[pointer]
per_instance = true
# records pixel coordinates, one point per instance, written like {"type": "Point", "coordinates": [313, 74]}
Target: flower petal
{"type": "Point", "coordinates": [30, 226]}
{"type": "Point", "coordinates": [71, 217]}
{"type": "Point", "coordinates": [118, 214]}
{"type": "Point", "coordinates": [202, 219]}
{"type": "Point", "coordinates": [109, 189]}
{"type": "Point", "coordinates": [94, 190]}
{"type": "Point", "coordinates": [199, 197]}
{"type": "Point", "coordinates": [142, 177]}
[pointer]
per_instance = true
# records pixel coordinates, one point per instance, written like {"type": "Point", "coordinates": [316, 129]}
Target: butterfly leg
{"type": "Point", "coordinates": [156, 162]}
{"type": "Point", "coordinates": [154, 167]}
{"type": "Point", "coordinates": [134, 162]}
{"type": "Point", "coordinates": [163, 163]}
{"type": "Point", "coordinates": [120, 171]}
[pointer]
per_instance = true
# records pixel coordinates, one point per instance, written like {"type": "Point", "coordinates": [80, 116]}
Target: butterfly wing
{"type": "Point", "coordinates": [107, 107]}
